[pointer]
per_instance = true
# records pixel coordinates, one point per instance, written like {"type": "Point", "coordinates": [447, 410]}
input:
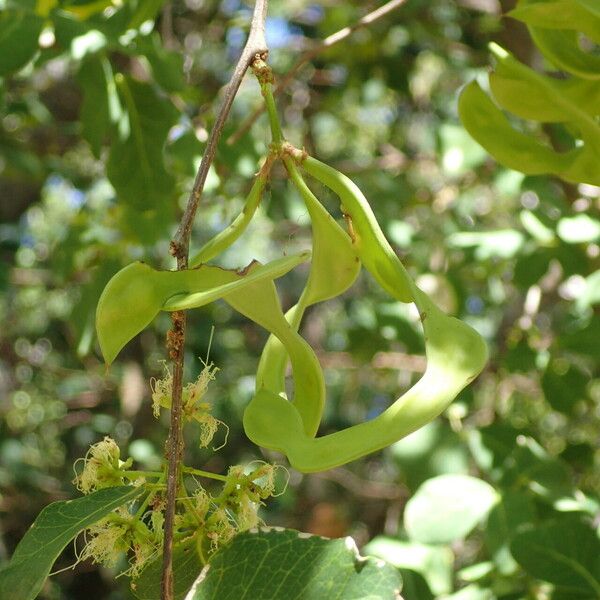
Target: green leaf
{"type": "Point", "coordinates": [564, 385]}
{"type": "Point", "coordinates": [488, 125]}
{"type": "Point", "coordinates": [434, 563]}
{"type": "Point", "coordinates": [511, 513]}
{"type": "Point", "coordinates": [136, 165]}
{"type": "Point", "coordinates": [137, 293]}
{"type": "Point", "coordinates": [565, 553]}
{"type": "Point", "coordinates": [53, 529]}
{"type": "Point", "coordinates": [167, 65]}
{"type": "Point", "coordinates": [529, 466]}
{"type": "Point", "coordinates": [560, 14]}
{"type": "Point", "coordinates": [186, 567]}
{"type": "Point", "coordinates": [535, 96]}
{"type": "Point", "coordinates": [19, 33]}
{"type": "Point", "coordinates": [447, 508]}
{"type": "Point", "coordinates": [562, 48]}
{"type": "Point", "coordinates": [274, 564]}
{"type": "Point", "coordinates": [100, 104]}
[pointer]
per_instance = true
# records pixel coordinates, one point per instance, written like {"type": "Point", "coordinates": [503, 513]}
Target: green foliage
{"type": "Point", "coordinates": [53, 529]}
{"type": "Point", "coordinates": [447, 508]}
{"type": "Point", "coordinates": [264, 563]}
{"type": "Point", "coordinates": [512, 253]}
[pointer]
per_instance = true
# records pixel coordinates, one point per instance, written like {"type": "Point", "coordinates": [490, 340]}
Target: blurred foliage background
{"type": "Point", "coordinates": [105, 108]}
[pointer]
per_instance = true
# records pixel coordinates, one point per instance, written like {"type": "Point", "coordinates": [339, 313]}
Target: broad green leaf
{"type": "Point", "coordinates": [137, 293]}
{"type": "Point", "coordinates": [447, 508]}
{"type": "Point", "coordinates": [100, 104]}
{"type": "Point", "coordinates": [565, 553]}
{"type": "Point", "coordinates": [560, 14]}
{"type": "Point", "coordinates": [562, 48]}
{"type": "Point", "coordinates": [434, 563]}
{"type": "Point", "coordinates": [136, 166]}
{"type": "Point", "coordinates": [53, 529]}
{"type": "Point", "coordinates": [186, 567]}
{"type": "Point", "coordinates": [19, 33]}
{"type": "Point", "coordinates": [535, 96]}
{"type": "Point", "coordinates": [529, 466]}
{"type": "Point", "coordinates": [274, 564]}
{"type": "Point", "coordinates": [167, 65]}
{"type": "Point", "coordinates": [512, 512]}
{"type": "Point", "coordinates": [564, 385]}
{"type": "Point", "coordinates": [488, 125]}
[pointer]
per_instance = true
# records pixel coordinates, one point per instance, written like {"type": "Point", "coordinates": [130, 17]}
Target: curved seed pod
{"type": "Point", "coordinates": [370, 243]}
{"type": "Point", "coordinates": [228, 236]}
{"type": "Point", "coordinates": [260, 303]}
{"type": "Point", "coordinates": [455, 356]}
{"type": "Point", "coordinates": [136, 294]}
{"type": "Point", "coordinates": [333, 269]}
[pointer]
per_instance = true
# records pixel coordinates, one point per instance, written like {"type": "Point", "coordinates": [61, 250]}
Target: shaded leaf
{"type": "Point", "coordinates": [565, 553]}
{"type": "Point", "coordinates": [19, 33]}
{"type": "Point", "coordinates": [136, 165]}
{"type": "Point", "coordinates": [186, 567]}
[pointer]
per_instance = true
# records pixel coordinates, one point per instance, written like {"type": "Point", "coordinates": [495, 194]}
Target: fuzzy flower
{"type": "Point", "coordinates": [107, 539]}
{"type": "Point", "coordinates": [191, 395]}
{"type": "Point", "coordinates": [219, 528]}
{"type": "Point", "coordinates": [102, 467]}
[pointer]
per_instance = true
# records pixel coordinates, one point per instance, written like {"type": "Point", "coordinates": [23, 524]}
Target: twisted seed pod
{"type": "Point", "coordinates": [137, 293]}
{"type": "Point", "coordinates": [333, 269]}
{"type": "Point", "coordinates": [228, 236]}
{"type": "Point", "coordinates": [455, 356]}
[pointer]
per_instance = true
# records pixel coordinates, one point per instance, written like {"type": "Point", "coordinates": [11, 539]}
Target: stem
{"type": "Point", "coordinates": [206, 474]}
{"type": "Point", "coordinates": [256, 45]}
{"type": "Point", "coordinates": [309, 54]}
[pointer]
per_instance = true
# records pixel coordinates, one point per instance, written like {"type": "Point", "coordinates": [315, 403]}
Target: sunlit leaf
{"type": "Point", "coordinates": [271, 564]}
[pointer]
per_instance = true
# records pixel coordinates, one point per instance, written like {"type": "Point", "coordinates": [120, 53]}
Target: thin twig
{"type": "Point", "coordinates": [309, 54]}
{"type": "Point", "coordinates": [256, 45]}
